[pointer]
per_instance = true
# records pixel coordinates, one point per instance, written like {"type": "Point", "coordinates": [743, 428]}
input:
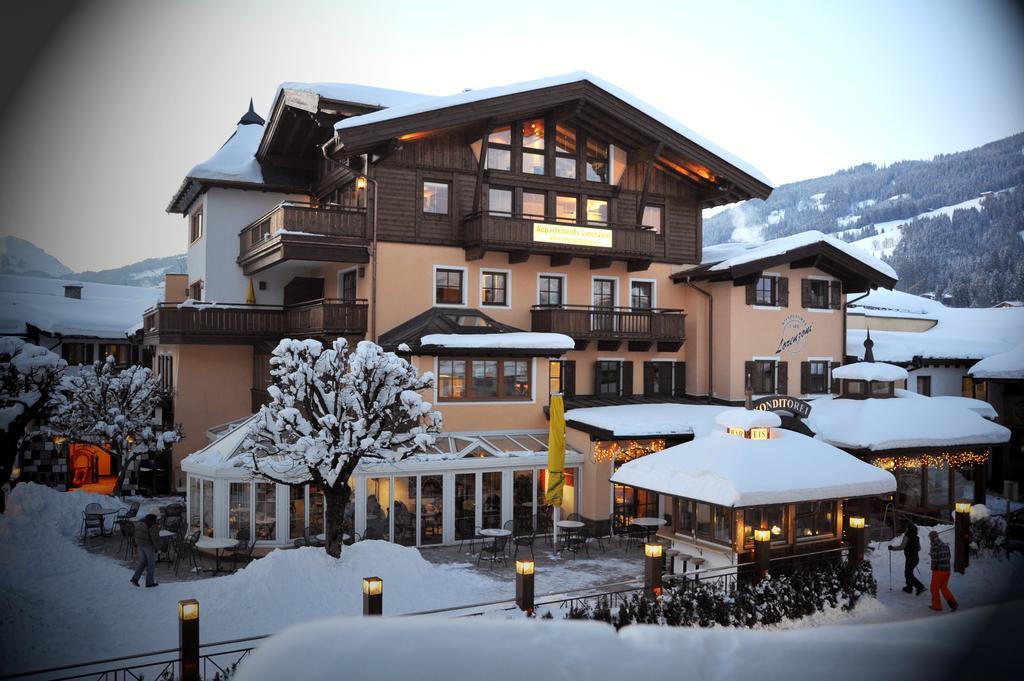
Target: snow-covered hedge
{"type": "Point", "coordinates": [777, 598]}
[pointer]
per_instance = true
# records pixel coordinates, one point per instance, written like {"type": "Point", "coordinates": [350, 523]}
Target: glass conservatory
{"type": "Point", "coordinates": [465, 481]}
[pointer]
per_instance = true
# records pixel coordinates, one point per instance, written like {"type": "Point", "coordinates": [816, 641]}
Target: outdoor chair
{"type": "Point", "coordinates": [524, 540]}
{"type": "Point", "coordinates": [509, 525]}
{"type": "Point", "coordinates": [91, 521]}
{"type": "Point", "coordinates": [127, 545]}
{"type": "Point", "coordinates": [121, 517]}
{"type": "Point", "coordinates": [185, 551]}
{"type": "Point", "coordinates": [243, 555]}
{"type": "Point", "coordinates": [311, 539]}
{"type": "Point", "coordinates": [494, 550]}
{"type": "Point", "coordinates": [300, 542]}
{"type": "Point", "coordinates": [578, 541]}
{"type": "Point", "coordinates": [574, 516]}
{"type": "Point", "coordinates": [635, 536]}
{"type": "Point", "coordinates": [599, 529]}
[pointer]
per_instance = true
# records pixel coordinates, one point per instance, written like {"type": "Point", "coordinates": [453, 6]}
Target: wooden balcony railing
{"type": "Point", "coordinates": [585, 322]}
{"type": "Point", "coordinates": [299, 219]}
{"type": "Point", "coordinates": [169, 323]}
{"type": "Point", "coordinates": [503, 232]}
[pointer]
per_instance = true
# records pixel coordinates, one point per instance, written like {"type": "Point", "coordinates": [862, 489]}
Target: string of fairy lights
{"type": "Point", "coordinates": [958, 459]}
{"type": "Point", "coordinates": [621, 453]}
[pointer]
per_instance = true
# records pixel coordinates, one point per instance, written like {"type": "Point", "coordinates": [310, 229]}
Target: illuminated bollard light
{"type": "Point", "coordinates": [961, 536]}
{"type": "Point", "coordinates": [653, 565]}
{"type": "Point", "coordinates": [524, 585]}
{"type": "Point", "coordinates": [373, 596]}
{"type": "Point", "coordinates": [762, 553]}
{"type": "Point", "coordinates": [857, 538]}
{"type": "Point", "coordinates": [188, 639]}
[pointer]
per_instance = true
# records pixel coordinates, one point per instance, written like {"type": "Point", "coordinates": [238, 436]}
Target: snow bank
{"type": "Point", "coordinates": [979, 407]}
{"type": "Point", "coordinates": [1005, 365]}
{"type": "Point", "coordinates": [733, 471]}
{"type": "Point", "coordinates": [649, 420]}
{"type": "Point", "coordinates": [104, 311]}
{"type": "Point", "coordinates": [870, 371]}
{"type": "Point", "coordinates": [593, 650]}
{"type": "Point", "coordinates": [62, 510]}
{"type": "Point", "coordinates": [471, 96]}
{"type": "Point", "coordinates": [898, 422]}
{"type": "Point", "coordinates": [521, 340]}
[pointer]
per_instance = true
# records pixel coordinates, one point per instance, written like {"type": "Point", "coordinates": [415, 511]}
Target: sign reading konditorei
{"type": "Point", "coordinates": [793, 405]}
{"type": "Point", "coordinates": [572, 235]}
{"type": "Point", "coordinates": [795, 330]}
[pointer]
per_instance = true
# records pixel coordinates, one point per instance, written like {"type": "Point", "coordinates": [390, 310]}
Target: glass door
{"type": "Point", "coordinates": [603, 301]}
{"type": "Point", "coordinates": [465, 506]}
{"type": "Point", "coordinates": [347, 286]}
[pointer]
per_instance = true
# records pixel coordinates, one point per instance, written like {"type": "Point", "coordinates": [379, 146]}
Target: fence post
{"type": "Point", "coordinates": [762, 553]}
{"type": "Point", "coordinates": [653, 565]}
{"type": "Point", "coordinates": [857, 539]}
{"type": "Point", "coordinates": [188, 639]}
{"type": "Point", "coordinates": [961, 535]}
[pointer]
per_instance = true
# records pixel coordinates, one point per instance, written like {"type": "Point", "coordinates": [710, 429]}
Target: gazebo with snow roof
{"type": "Point", "coordinates": [464, 481]}
{"type": "Point", "coordinates": [936, 447]}
{"type": "Point", "coordinates": [750, 474]}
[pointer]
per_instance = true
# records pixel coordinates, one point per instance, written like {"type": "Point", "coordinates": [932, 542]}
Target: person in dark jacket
{"type": "Point", "coordinates": [939, 554]}
{"type": "Point", "coordinates": [911, 548]}
{"type": "Point", "coordinates": [147, 539]}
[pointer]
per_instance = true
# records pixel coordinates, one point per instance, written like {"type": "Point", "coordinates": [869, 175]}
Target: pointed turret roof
{"type": "Point", "coordinates": [251, 117]}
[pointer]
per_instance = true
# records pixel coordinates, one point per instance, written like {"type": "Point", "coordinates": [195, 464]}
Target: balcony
{"type": "Point", "coordinates": [613, 325]}
{"type": "Point", "coordinates": [297, 231]}
{"type": "Point", "coordinates": [524, 236]}
{"type": "Point", "coordinates": [172, 324]}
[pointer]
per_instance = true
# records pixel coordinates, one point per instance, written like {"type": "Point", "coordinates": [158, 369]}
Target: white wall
{"type": "Point", "coordinates": [227, 211]}
{"type": "Point", "coordinates": [945, 380]}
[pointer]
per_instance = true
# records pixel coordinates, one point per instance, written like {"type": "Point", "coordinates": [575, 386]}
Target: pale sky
{"type": "Point", "coordinates": [129, 95]}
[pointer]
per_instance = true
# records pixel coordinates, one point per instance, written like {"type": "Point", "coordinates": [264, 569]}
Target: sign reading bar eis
{"type": "Point", "coordinates": [573, 235]}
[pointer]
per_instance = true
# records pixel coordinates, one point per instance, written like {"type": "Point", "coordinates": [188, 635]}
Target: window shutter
{"type": "Point", "coordinates": [805, 293]}
{"type": "Point", "coordinates": [679, 379]}
{"type": "Point", "coordinates": [805, 377]}
{"type": "Point", "coordinates": [783, 291]}
{"type": "Point", "coordinates": [748, 374]}
{"type": "Point", "coordinates": [833, 382]}
{"type": "Point", "coordinates": [835, 290]}
{"type": "Point", "coordinates": [568, 378]}
{"type": "Point", "coordinates": [648, 378]}
{"type": "Point", "coordinates": [782, 383]}
{"type": "Point", "coordinates": [751, 293]}
{"type": "Point", "coordinates": [597, 379]}
{"type": "Point", "coordinates": [627, 379]}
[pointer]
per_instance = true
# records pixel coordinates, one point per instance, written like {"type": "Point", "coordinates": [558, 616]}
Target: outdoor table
{"type": "Point", "coordinates": [570, 527]}
{"type": "Point", "coordinates": [103, 517]}
{"type": "Point", "coordinates": [649, 525]}
{"type": "Point", "coordinates": [494, 533]}
{"type": "Point", "coordinates": [216, 544]}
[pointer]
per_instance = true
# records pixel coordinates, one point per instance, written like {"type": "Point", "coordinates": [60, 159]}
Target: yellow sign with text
{"type": "Point", "coordinates": [572, 235]}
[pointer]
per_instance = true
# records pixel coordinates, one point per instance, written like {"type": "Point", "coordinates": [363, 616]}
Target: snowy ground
{"type": "Point", "coordinates": [61, 604]}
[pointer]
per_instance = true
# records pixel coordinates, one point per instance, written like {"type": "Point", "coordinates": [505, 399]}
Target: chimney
{"type": "Point", "coordinates": [73, 291]}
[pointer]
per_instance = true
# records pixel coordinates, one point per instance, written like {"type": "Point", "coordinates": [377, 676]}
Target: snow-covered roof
{"type": "Point", "coordinates": [471, 96]}
{"type": "Point", "coordinates": [739, 417]}
{"type": "Point", "coordinates": [104, 310]}
{"type": "Point", "coordinates": [235, 161]}
{"type": "Point", "coordinates": [870, 371]}
{"type": "Point", "coordinates": [729, 470]}
{"type": "Point", "coordinates": [958, 333]}
{"type": "Point", "coordinates": [649, 420]}
{"type": "Point", "coordinates": [979, 407]}
{"type": "Point", "coordinates": [722, 257]}
{"type": "Point", "coordinates": [523, 340]}
{"type": "Point", "coordinates": [357, 94]}
{"type": "Point", "coordinates": [1005, 365]}
{"type": "Point", "coordinates": [907, 420]}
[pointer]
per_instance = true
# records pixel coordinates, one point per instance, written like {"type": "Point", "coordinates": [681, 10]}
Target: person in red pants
{"type": "Point", "coordinates": [939, 552]}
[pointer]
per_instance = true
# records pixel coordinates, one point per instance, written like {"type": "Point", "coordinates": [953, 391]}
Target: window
{"type": "Point", "coordinates": [765, 291]}
{"type": "Point", "coordinates": [499, 201]}
{"type": "Point", "coordinates": [603, 293]}
{"type": "Point", "coordinates": [533, 147]}
{"type": "Point", "coordinates": [195, 290]}
{"type": "Point", "coordinates": [435, 198]}
{"type": "Point", "coordinates": [641, 295]}
{"type": "Point", "coordinates": [490, 495]}
{"type": "Point", "coordinates": [658, 378]}
{"type": "Point", "coordinates": [122, 354]}
{"type": "Point", "coordinates": [565, 151]}
{"type": "Point", "coordinates": [533, 205]}
{"type": "Point", "coordinates": [597, 161]}
{"type": "Point", "coordinates": [815, 519]}
{"type": "Point", "coordinates": [554, 377]}
{"type": "Point", "coordinates": [609, 377]}
{"type": "Point", "coordinates": [550, 290]}
{"type": "Point", "coordinates": [266, 511]}
{"type": "Point", "coordinates": [296, 512]}
{"type": "Point", "coordinates": [77, 353]}
{"type": "Point", "coordinates": [208, 508]}
{"type": "Point", "coordinates": [195, 230]}
{"type": "Point", "coordinates": [193, 503]}
{"type": "Point", "coordinates": [816, 294]}
{"type": "Point", "coordinates": [239, 511]}
{"type": "Point", "coordinates": [924, 385]}
{"type": "Point", "coordinates": [814, 380]}
{"type": "Point", "coordinates": [431, 517]}
{"type": "Point", "coordinates": [493, 288]}
{"type": "Point", "coordinates": [597, 212]}
{"type": "Point", "coordinates": [347, 285]}
{"type": "Point", "coordinates": [165, 371]}
{"type": "Point", "coordinates": [489, 379]}
{"type": "Point", "coordinates": [762, 376]}
{"type": "Point", "coordinates": [448, 287]}
{"type": "Point", "coordinates": [653, 218]}
{"type": "Point", "coordinates": [499, 149]}
{"type": "Point", "coordinates": [565, 208]}
{"type": "Point", "coordinates": [764, 518]}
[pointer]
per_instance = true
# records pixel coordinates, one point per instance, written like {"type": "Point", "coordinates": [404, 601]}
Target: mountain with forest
{"type": "Point", "coordinates": [952, 226]}
{"type": "Point", "coordinates": [18, 256]}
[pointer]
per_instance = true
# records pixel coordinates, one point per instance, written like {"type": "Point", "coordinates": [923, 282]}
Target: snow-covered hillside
{"type": "Point", "coordinates": [18, 256]}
